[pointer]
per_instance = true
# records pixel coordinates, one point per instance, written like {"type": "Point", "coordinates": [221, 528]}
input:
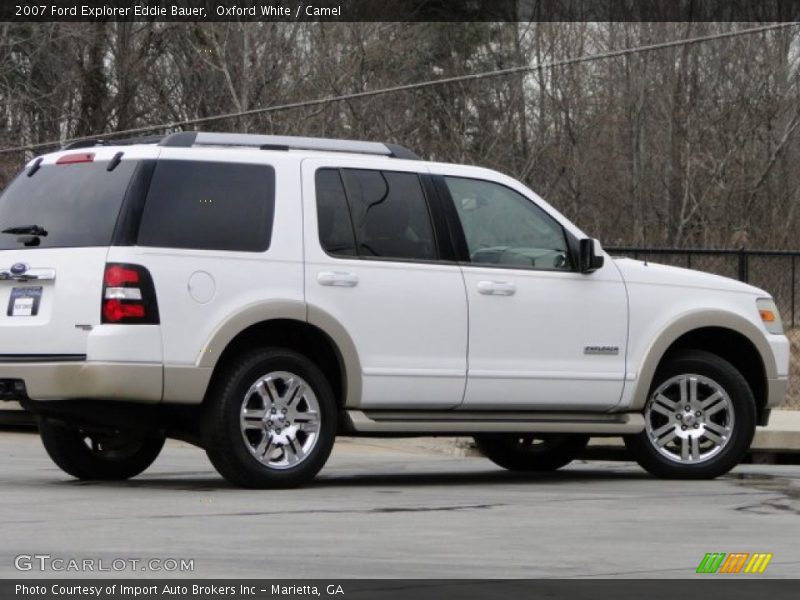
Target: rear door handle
{"type": "Point", "coordinates": [337, 279]}
{"type": "Point", "coordinates": [496, 288]}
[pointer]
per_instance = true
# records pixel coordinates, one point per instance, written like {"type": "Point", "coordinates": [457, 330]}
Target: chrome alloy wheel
{"type": "Point", "coordinates": [689, 419]}
{"type": "Point", "coordinates": [280, 420]}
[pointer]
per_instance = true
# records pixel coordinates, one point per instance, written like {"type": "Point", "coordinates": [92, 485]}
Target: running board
{"type": "Point", "coordinates": [457, 422]}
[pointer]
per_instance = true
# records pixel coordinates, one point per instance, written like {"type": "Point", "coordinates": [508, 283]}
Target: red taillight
{"type": "Point", "coordinates": [128, 295]}
{"type": "Point", "coordinates": [117, 276]}
{"type": "Point", "coordinates": [71, 159]}
{"type": "Point", "coordinates": [114, 311]}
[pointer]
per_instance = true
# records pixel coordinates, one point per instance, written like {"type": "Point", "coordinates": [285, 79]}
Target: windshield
{"type": "Point", "coordinates": [75, 205]}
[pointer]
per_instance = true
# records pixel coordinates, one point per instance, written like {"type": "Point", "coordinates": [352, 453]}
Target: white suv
{"type": "Point", "coordinates": [257, 295]}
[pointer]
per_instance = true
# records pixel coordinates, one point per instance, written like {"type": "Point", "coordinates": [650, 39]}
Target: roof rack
{"type": "Point", "coordinates": [189, 139]}
{"type": "Point", "coordinates": [150, 139]}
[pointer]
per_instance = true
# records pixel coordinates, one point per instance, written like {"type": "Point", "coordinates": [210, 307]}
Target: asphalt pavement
{"type": "Point", "coordinates": [393, 509]}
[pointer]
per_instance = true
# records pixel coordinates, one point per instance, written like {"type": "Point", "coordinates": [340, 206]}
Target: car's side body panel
{"type": "Point", "coordinates": [667, 302]}
{"type": "Point", "coordinates": [408, 319]}
{"type": "Point", "coordinates": [548, 339]}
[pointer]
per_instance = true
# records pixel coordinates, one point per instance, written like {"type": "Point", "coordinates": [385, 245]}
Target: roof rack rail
{"type": "Point", "coordinates": [188, 139]}
{"type": "Point", "coordinates": [149, 139]}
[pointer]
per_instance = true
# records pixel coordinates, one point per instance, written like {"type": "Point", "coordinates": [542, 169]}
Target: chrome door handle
{"type": "Point", "coordinates": [337, 279]}
{"type": "Point", "coordinates": [496, 288]}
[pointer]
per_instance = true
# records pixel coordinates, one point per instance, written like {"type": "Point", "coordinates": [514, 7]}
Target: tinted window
{"type": "Point", "coordinates": [503, 227]}
{"type": "Point", "coordinates": [209, 206]}
{"type": "Point", "coordinates": [333, 215]}
{"type": "Point", "coordinates": [390, 214]}
{"type": "Point", "coordinates": [76, 204]}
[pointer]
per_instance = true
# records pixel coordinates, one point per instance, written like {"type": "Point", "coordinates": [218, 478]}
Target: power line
{"type": "Point", "coordinates": [410, 86]}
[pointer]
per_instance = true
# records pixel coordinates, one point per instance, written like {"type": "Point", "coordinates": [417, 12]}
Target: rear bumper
{"type": "Point", "coordinates": [135, 382]}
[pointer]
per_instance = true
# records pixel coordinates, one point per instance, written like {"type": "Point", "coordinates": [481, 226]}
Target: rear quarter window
{"type": "Point", "coordinates": [209, 206]}
{"type": "Point", "coordinates": [77, 204]}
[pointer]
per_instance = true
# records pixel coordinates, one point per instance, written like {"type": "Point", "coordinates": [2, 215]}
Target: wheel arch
{"type": "Point", "coordinates": [730, 336]}
{"type": "Point", "coordinates": [287, 324]}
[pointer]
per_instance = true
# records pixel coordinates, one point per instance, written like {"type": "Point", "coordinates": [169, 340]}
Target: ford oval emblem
{"type": "Point", "coordinates": [19, 268]}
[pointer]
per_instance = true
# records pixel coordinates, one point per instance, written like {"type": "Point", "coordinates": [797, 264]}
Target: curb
{"type": "Point", "coordinates": [771, 445]}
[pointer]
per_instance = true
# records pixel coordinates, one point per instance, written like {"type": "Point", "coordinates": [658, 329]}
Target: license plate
{"type": "Point", "coordinates": [24, 302]}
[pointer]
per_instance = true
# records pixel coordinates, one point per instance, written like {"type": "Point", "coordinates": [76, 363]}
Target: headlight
{"type": "Point", "coordinates": [770, 315]}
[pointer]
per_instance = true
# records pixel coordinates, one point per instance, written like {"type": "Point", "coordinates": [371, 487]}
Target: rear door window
{"type": "Point", "coordinates": [209, 206]}
{"type": "Point", "coordinates": [75, 204]}
{"type": "Point", "coordinates": [390, 215]}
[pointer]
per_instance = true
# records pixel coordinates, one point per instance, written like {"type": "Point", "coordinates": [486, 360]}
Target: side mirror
{"type": "Point", "coordinates": [589, 261]}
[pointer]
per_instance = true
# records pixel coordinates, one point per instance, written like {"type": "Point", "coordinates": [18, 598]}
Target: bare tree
{"type": "Point", "coordinates": [694, 145]}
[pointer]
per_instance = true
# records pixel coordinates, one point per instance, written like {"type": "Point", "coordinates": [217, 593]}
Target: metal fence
{"type": "Point", "coordinates": [772, 270]}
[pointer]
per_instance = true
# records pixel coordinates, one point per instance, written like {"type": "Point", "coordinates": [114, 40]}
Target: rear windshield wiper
{"type": "Point", "coordinates": [36, 230]}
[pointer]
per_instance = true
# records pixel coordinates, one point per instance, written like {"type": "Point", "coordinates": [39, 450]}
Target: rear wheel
{"type": "Point", "coordinates": [531, 451]}
{"type": "Point", "coordinates": [270, 420]}
{"type": "Point", "coordinates": [700, 418]}
{"type": "Point", "coordinates": [98, 455]}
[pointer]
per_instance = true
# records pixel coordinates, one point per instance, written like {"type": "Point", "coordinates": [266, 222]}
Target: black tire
{"type": "Point", "coordinates": [743, 408]}
{"type": "Point", "coordinates": [99, 456]}
{"type": "Point", "coordinates": [531, 451]}
{"type": "Point", "coordinates": [225, 442]}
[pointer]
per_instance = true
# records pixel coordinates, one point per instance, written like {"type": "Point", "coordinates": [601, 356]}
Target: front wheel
{"type": "Point", "coordinates": [531, 451]}
{"type": "Point", "coordinates": [270, 420]}
{"type": "Point", "coordinates": [700, 418]}
{"type": "Point", "coordinates": [98, 455]}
